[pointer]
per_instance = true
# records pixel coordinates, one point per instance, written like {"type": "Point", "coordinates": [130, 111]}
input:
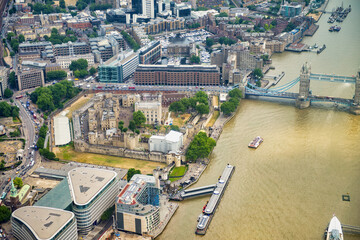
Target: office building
{"type": "Point", "coordinates": [30, 78]}
{"type": "Point", "coordinates": [146, 8]}
{"type": "Point", "coordinates": [33, 47]}
{"type": "Point", "coordinates": [183, 75]}
{"type": "Point", "coordinates": [71, 48]}
{"type": "Point", "coordinates": [119, 68]}
{"type": "Point", "coordinates": [43, 223]}
{"type": "Point", "coordinates": [291, 10]}
{"type": "Point", "coordinates": [137, 206]}
{"type": "Point", "coordinates": [151, 53]}
{"type": "Point", "coordinates": [171, 142]}
{"type": "Point", "coordinates": [151, 110]}
{"type": "Point", "coordinates": [182, 10]}
{"type": "Point", "coordinates": [93, 191]}
{"type": "Point", "coordinates": [65, 61]}
{"type": "Point", "coordinates": [4, 74]}
{"type": "Point", "coordinates": [106, 47]}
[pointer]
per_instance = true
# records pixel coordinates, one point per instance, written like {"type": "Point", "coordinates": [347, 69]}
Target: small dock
{"type": "Point", "coordinates": [194, 192]}
{"type": "Point", "coordinates": [350, 229]}
{"type": "Point", "coordinates": [273, 80]}
{"type": "Point", "coordinates": [209, 211]}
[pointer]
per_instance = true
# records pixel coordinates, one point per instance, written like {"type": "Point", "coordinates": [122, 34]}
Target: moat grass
{"type": "Point", "coordinates": [78, 104]}
{"type": "Point", "coordinates": [177, 171]}
{"type": "Point", "coordinates": [69, 154]}
{"type": "Point", "coordinates": [213, 119]}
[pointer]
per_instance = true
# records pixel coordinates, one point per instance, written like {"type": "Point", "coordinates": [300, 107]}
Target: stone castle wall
{"type": "Point", "coordinates": [82, 146]}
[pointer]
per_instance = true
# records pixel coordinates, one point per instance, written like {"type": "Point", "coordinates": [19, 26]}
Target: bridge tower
{"type": "Point", "coordinates": [355, 108]}
{"type": "Point", "coordinates": [303, 99]}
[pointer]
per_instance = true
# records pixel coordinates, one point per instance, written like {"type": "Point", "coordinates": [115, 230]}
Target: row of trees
{"type": "Point", "coordinates": [15, 40]}
{"type": "Point", "coordinates": [56, 38]}
{"type": "Point", "coordinates": [41, 142]}
{"type": "Point", "coordinates": [130, 40]}
{"type": "Point", "coordinates": [12, 80]}
{"type": "Point", "coordinates": [7, 110]}
{"type": "Point", "coordinates": [200, 147]}
{"type": "Point", "coordinates": [56, 75]}
{"type": "Point", "coordinates": [230, 106]}
{"type": "Point", "coordinates": [94, 6]}
{"type": "Point", "coordinates": [52, 97]}
{"type": "Point", "coordinates": [222, 40]}
{"type": "Point", "coordinates": [199, 103]}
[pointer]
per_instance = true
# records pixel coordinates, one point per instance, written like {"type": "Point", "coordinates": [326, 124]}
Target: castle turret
{"type": "Point", "coordinates": [303, 100]}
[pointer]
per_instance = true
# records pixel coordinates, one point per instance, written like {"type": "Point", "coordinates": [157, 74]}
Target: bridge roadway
{"type": "Point", "coordinates": [288, 95]}
{"type": "Point", "coordinates": [332, 78]}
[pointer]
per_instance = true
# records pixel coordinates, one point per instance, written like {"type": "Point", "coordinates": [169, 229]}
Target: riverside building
{"type": "Point", "coordinates": [182, 75]}
{"type": "Point", "coordinates": [40, 223]}
{"type": "Point", "coordinates": [93, 191]}
{"type": "Point", "coordinates": [137, 206]}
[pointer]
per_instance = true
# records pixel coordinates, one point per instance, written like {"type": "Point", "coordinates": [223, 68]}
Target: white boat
{"type": "Point", "coordinates": [334, 231]}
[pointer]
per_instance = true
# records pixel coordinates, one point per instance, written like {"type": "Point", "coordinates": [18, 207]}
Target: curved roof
{"type": "Point", "coordinates": [86, 183]}
{"type": "Point", "coordinates": [43, 222]}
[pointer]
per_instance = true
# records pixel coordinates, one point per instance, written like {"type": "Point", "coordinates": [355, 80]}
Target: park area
{"type": "Point", "coordinates": [180, 120]}
{"type": "Point", "coordinates": [69, 154]}
{"type": "Point", "coordinates": [177, 173]}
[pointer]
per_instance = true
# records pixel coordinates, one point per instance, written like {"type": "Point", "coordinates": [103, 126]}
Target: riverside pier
{"type": "Point", "coordinates": [209, 211]}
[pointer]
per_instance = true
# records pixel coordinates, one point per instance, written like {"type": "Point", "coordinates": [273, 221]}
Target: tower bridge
{"type": "Point", "coordinates": [304, 97]}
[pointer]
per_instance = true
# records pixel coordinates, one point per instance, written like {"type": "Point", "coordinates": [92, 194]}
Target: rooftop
{"type": "Point", "coordinates": [86, 183]}
{"type": "Point", "coordinates": [58, 197]}
{"type": "Point", "coordinates": [178, 68]}
{"type": "Point", "coordinates": [44, 222]}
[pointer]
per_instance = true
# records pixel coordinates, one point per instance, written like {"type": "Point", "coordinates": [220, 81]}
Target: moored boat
{"type": "Point", "coordinates": [256, 142]}
{"type": "Point", "coordinates": [334, 231]}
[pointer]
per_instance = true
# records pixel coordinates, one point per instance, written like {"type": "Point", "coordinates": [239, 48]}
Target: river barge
{"type": "Point", "coordinates": [209, 211]}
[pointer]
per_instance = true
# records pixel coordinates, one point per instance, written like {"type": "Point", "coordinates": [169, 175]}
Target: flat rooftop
{"type": "Point", "coordinates": [86, 183]}
{"type": "Point", "coordinates": [177, 68]}
{"type": "Point", "coordinates": [44, 222]}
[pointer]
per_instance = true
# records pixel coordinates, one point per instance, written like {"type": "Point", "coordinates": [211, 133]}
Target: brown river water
{"type": "Point", "coordinates": [289, 187]}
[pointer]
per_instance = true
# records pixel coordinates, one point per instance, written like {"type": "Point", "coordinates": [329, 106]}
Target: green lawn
{"type": "Point", "coordinates": [178, 171]}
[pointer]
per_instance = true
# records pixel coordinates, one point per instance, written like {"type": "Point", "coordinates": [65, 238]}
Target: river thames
{"type": "Point", "coordinates": [289, 187]}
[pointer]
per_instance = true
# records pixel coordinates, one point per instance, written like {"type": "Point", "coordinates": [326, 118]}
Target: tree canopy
{"type": "Point", "coordinates": [5, 214]}
{"type": "Point", "coordinates": [199, 103]}
{"type": "Point", "coordinates": [79, 64]}
{"type": "Point", "coordinates": [131, 172]}
{"type": "Point", "coordinates": [195, 59]}
{"type": "Point", "coordinates": [230, 106]}
{"type": "Point", "coordinates": [56, 75]}
{"type": "Point", "coordinates": [258, 73]}
{"type": "Point", "coordinates": [51, 97]}
{"type": "Point", "coordinates": [139, 118]}
{"type": "Point", "coordinates": [12, 80]}
{"type": "Point", "coordinates": [18, 183]}
{"type": "Point", "coordinates": [130, 40]}
{"type": "Point", "coordinates": [8, 93]}
{"type": "Point", "coordinates": [7, 110]}
{"type": "Point", "coordinates": [200, 147]}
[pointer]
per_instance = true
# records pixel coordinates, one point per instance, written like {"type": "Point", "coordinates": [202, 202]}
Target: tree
{"type": "Point", "coordinates": [5, 214]}
{"type": "Point", "coordinates": [8, 93]}
{"type": "Point", "coordinates": [12, 80]}
{"type": "Point", "coordinates": [200, 147]}
{"type": "Point", "coordinates": [133, 44]}
{"type": "Point", "coordinates": [223, 14]}
{"type": "Point", "coordinates": [47, 154]}
{"type": "Point", "coordinates": [80, 64]}
{"type": "Point", "coordinates": [235, 93]}
{"type": "Point", "coordinates": [12, 54]}
{"type": "Point", "coordinates": [56, 75]}
{"type": "Point", "coordinates": [2, 165]}
{"type": "Point", "coordinates": [18, 182]}
{"type": "Point", "coordinates": [132, 125]}
{"type": "Point", "coordinates": [107, 214]}
{"type": "Point", "coordinates": [62, 4]}
{"type": "Point", "coordinates": [40, 143]}
{"type": "Point", "coordinates": [137, 131]}
{"type": "Point", "coordinates": [131, 172]}
{"type": "Point", "coordinates": [15, 133]}
{"type": "Point", "coordinates": [195, 59]}
{"type": "Point", "coordinates": [209, 42]}
{"type": "Point", "coordinates": [202, 108]}
{"type": "Point", "coordinates": [258, 73]}
{"type": "Point", "coordinates": [92, 71]}
{"type": "Point", "coordinates": [21, 38]}
{"type": "Point", "coordinates": [43, 131]}
{"type": "Point", "coordinates": [177, 107]}
{"type": "Point", "coordinates": [10, 35]}
{"type": "Point", "coordinates": [124, 129]}
{"type": "Point", "coordinates": [139, 118]}
{"type": "Point", "coordinates": [175, 128]}
{"type": "Point", "coordinates": [7, 110]}
{"type": "Point", "coordinates": [227, 108]}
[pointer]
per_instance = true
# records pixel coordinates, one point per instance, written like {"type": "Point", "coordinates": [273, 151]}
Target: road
{"type": "Point", "coordinates": [28, 127]}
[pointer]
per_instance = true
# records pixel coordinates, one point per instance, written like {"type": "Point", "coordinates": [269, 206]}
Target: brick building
{"type": "Point", "coordinates": [183, 75]}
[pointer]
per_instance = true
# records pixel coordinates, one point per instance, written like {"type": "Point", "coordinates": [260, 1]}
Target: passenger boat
{"type": "Point", "coordinates": [205, 207]}
{"type": "Point", "coordinates": [334, 231]}
{"type": "Point", "coordinates": [256, 142]}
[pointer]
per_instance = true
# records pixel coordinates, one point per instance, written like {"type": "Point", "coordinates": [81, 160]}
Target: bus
{"type": "Point", "coordinates": [18, 97]}
{"type": "Point", "coordinates": [131, 88]}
